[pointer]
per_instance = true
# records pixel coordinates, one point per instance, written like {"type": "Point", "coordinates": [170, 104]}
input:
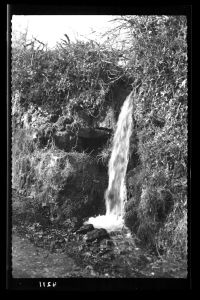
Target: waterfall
{"type": "Point", "coordinates": [115, 195]}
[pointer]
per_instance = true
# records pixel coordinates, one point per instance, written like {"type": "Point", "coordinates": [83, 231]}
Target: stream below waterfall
{"type": "Point", "coordinates": [51, 253]}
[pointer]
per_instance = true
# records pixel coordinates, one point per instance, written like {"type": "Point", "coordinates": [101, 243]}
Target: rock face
{"type": "Point", "coordinates": [64, 140]}
{"type": "Point", "coordinates": [93, 139]}
{"type": "Point", "coordinates": [97, 234]}
{"type": "Point", "coordinates": [86, 139]}
{"type": "Point", "coordinates": [94, 132]}
{"type": "Point", "coordinates": [85, 228]}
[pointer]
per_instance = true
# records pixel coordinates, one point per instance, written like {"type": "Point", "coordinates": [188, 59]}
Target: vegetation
{"type": "Point", "coordinates": [73, 77]}
{"type": "Point", "coordinates": [64, 185]}
{"type": "Point", "coordinates": [80, 85]}
{"type": "Point", "coordinates": [160, 64]}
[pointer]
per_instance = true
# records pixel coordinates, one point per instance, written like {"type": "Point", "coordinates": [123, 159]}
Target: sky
{"type": "Point", "coordinates": [50, 29]}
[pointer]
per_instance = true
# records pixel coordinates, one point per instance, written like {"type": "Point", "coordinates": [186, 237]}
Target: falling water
{"type": "Point", "coordinates": [115, 195]}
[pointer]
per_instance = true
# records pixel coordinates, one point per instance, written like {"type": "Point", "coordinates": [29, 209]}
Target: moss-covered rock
{"type": "Point", "coordinates": [147, 207]}
{"type": "Point", "coordinates": [67, 184]}
{"type": "Point", "coordinates": [131, 216]}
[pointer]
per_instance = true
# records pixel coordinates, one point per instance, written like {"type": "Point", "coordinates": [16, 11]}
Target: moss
{"type": "Point", "coordinates": [131, 216]}
{"type": "Point", "coordinates": [134, 181]}
{"type": "Point", "coordinates": [146, 233]}
{"type": "Point", "coordinates": [172, 237]}
{"type": "Point", "coordinates": [147, 212]}
{"type": "Point", "coordinates": [69, 184]}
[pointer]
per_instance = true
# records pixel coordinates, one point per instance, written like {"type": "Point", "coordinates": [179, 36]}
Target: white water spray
{"type": "Point", "coordinates": [115, 195]}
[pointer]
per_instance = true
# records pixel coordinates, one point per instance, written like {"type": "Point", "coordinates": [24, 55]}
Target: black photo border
{"type": "Point", "coordinates": [92, 284]}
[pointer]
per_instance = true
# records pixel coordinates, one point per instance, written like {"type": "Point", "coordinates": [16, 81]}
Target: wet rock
{"type": "Point", "coordinates": [97, 234]}
{"type": "Point", "coordinates": [85, 228]}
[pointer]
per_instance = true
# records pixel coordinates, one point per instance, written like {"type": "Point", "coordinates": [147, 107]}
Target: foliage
{"type": "Point", "coordinates": [71, 86]}
{"type": "Point", "coordinates": [105, 153]}
{"type": "Point", "coordinates": [158, 61]}
{"type": "Point", "coordinates": [73, 76]}
{"type": "Point", "coordinates": [63, 184]}
{"type": "Point", "coordinates": [172, 237]}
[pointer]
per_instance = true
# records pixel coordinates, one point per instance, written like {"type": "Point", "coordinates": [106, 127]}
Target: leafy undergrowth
{"type": "Point", "coordinates": [117, 257]}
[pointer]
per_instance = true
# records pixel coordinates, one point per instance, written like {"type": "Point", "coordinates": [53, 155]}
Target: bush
{"type": "Point", "coordinates": [74, 76]}
{"type": "Point", "coordinates": [172, 237]}
{"type": "Point", "coordinates": [104, 156]}
{"type": "Point", "coordinates": [158, 61]}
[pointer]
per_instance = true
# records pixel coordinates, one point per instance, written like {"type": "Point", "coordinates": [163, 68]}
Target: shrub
{"type": "Point", "coordinates": [104, 156]}
{"type": "Point", "coordinates": [158, 61]}
{"type": "Point", "coordinates": [172, 237]}
{"type": "Point", "coordinates": [74, 76]}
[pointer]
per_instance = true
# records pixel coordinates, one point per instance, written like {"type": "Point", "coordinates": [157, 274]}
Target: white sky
{"type": "Point", "coordinates": [50, 29]}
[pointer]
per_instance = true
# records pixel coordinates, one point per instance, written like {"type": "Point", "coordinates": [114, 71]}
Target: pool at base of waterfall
{"type": "Point", "coordinates": [109, 222]}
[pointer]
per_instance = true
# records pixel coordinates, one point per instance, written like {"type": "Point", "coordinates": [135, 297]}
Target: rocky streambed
{"type": "Point", "coordinates": [85, 252]}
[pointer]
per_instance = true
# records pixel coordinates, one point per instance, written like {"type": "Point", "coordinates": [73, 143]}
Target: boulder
{"type": "Point", "coordinates": [97, 235]}
{"type": "Point", "coordinates": [85, 228]}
